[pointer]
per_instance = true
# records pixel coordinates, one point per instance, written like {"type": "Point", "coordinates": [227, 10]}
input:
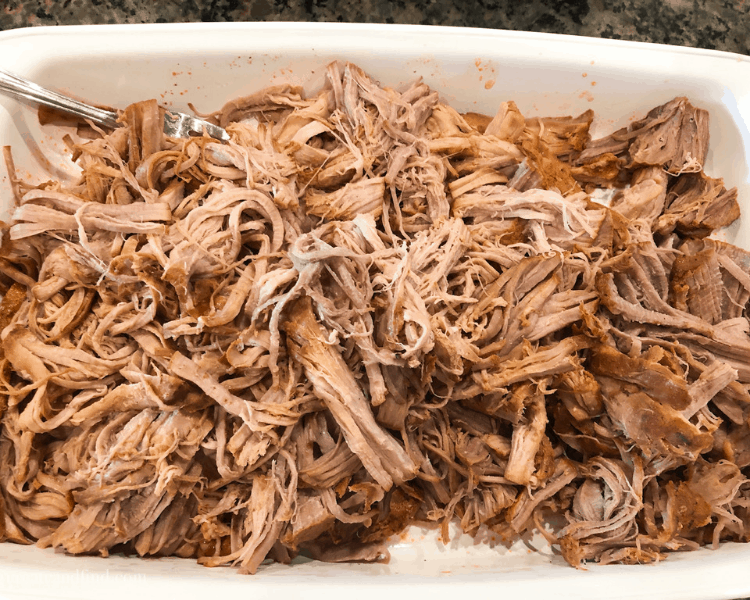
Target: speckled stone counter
{"type": "Point", "coordinates": [716, 24]}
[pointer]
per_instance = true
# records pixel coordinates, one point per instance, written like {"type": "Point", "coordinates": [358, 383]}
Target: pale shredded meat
{"type": "Point", "coordinates": [367, 310]}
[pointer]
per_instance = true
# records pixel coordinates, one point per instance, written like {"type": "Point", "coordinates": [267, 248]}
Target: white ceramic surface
{"type": "Point", "coordinates": [474, 70]}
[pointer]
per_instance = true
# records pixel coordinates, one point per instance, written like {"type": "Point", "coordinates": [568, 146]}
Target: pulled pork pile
{"type": "Point", "coordinates": [365, 311]}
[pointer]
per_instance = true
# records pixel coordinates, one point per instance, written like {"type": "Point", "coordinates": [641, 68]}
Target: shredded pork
{"type": "Point", "coordinates": [367, 310]}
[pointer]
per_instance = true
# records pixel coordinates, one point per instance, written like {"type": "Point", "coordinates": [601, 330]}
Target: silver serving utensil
{"type": "Point", "coordinates": [176, 124]}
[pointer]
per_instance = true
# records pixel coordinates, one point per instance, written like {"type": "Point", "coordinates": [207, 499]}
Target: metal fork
{"type": "Point", "coordinates": [176, 124]}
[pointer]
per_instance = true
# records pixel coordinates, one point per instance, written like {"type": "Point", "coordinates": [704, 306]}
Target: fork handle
{"type": "Point", "coordinates": [27, 90]}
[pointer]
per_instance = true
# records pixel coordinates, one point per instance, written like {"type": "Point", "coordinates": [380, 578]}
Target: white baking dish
{"type": "Point", "coordinates": [474, 70]}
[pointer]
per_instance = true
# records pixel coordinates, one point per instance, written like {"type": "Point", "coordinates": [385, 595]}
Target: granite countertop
{"type": "Point", "coordinates": [715, 24]}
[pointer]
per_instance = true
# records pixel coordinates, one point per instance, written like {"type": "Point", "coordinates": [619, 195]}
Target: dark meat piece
{"type": "Point", "coordinates": [654, 427]}
{"type": "Point", "coordinates": [603, 170]}
{"type": "Point", "coordinates": [696, 285]}
{"type": "Point", "coordinates": [310, 520]}
{"type": "Point", "coordinates": [656, 380]}
{"type": "Point", "coordinates": [562, 135]}
{"type": "Point", "coordinates": [674, 135]}
{"type": "Point", "coordinates": [697, 205]}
